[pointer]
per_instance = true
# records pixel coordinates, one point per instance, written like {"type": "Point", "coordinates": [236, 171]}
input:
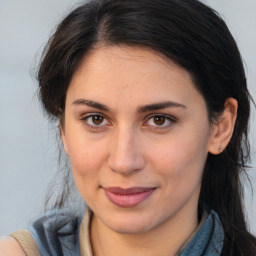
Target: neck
{"type": "Point", "coordinates": [167, 238]}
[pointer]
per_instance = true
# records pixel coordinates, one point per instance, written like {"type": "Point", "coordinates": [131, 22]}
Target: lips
{"type": "Point", "coordinates": [128, 197]}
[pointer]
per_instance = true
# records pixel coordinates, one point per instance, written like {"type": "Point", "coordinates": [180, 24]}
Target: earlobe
{"type": "Point", "coordinates": [223, 130]}
{"type": "Point", "coordinates": [63, 138]}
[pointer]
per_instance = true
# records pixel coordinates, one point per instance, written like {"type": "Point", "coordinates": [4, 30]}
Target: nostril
{"type": "Point", "coordinates": [128, 167]}
{"type": "Point", "coordinates": [123, 169]}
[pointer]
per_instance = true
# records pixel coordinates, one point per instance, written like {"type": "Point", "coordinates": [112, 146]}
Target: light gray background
{"type": "Point", "coordinates": [27, 146]}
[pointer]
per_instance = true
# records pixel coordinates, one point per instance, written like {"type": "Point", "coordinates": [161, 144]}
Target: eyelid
{"type": "Point", "coordinates": [170, 118]}
{"type": "Point", "coordinates": [85, 117]}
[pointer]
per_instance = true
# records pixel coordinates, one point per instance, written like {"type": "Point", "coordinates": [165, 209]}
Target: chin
{"type": "Point", "coordinates": [130, 224]}
{"type": "Point", "coordinates": [128, 229]}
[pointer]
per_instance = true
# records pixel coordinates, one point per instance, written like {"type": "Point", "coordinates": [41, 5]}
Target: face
{"type": "Point", "coordinates": [137, 135]}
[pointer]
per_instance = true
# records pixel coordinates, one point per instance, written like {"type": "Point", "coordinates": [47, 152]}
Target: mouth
{"type": "Point", "coordinates": [129, 197]}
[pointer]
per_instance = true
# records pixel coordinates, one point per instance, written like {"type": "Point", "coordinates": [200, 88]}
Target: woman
{"type": "Point", "coordinates": [153, 109]}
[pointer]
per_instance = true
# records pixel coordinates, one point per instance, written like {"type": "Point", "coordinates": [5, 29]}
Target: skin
{"type": "Point", "coordinates": [125, 146]}
{"type": "Point", "coordinates": [10, 247]}
{"type": "Point", "coordinates": [117, 142]}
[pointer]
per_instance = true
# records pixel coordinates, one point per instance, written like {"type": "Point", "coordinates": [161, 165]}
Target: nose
{"type": "Point", "coordinates": [126, 155]}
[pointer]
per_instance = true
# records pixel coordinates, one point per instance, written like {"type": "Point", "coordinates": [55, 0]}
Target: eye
{"type": "Point", "coordinates": [95, 121]}
{"type": "Point", "coordinates": [160, 121]}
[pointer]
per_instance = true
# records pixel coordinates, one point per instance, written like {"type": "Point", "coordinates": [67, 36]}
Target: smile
{"type": "Point", "coordinates": [127, 197]}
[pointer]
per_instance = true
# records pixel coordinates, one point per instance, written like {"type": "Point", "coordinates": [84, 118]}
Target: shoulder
{"type": "Point", "coordinates": [10, 247]}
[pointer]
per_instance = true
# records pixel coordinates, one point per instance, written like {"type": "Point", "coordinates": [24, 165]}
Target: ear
{"type": "Point", "coordinates": [222, 131]}
{"type": "Point", "coordinates": [63, 138]}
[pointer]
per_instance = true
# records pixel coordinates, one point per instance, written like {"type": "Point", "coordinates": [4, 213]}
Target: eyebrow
{"type": "Point", "coordinates": [141, 109]}
{"type": "Point", "coordinates": [159, 106]}
{"type": "Point", "coordinates": [91, 103]}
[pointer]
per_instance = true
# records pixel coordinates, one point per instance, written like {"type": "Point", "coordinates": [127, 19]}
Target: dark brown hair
{"type": "Point", "coordinates": [197, 39]}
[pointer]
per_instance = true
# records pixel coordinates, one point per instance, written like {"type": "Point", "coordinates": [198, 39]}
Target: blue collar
{"type": "Point", "coordinates": [57, 234]}
{"type": "Point", "coordinates": [208, 240]}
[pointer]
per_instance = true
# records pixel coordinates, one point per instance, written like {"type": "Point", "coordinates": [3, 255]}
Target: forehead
{"type": "Point", "coordinates": [127, 52]}
{"type": "Point", "coordinates": [133, 61]}
{"type": "Point", "coordinates": [125, 55]}
{"type": "Point", "coordinates": [135, 74]}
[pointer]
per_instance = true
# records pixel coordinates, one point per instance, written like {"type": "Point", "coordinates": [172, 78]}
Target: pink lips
{"type": "Point", "coordinates": [127, 197]}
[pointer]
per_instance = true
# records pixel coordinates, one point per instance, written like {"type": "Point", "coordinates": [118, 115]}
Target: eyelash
{"type": "Point", "coordinates": [167, 118]}
{"type": "Point", "coordinates": [170, 119]}
{"type": "Point", "coordinates": [94, 126]}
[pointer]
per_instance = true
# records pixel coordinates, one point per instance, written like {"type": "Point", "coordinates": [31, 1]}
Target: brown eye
{"type": "Point", "coordinates": [97, 120]}
{"type": "Point", "coordinates": [159, 120]}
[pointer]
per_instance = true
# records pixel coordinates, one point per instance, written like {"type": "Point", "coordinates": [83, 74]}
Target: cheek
{"type": "Point", "coordinates": [86, 159]}
{"type": "Point", "coordinates": [84, 152]}
{"type": "Point", "coordinates": [180, 167]}
{"type": "Point", "coordinates": [182, 158]}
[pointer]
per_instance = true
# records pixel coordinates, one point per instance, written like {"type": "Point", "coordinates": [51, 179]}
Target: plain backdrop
{"type": "Point", "coordinates": [28, 157]}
